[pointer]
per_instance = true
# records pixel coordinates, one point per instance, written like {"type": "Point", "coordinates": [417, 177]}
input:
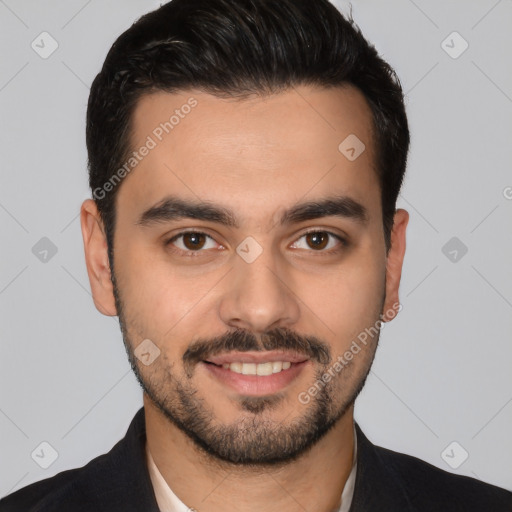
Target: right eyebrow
{"type": "Point", "coordinates": [172, 208]}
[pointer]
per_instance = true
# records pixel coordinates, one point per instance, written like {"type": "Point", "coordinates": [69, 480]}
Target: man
{"type": "Point", "coordinates": [245, 158]}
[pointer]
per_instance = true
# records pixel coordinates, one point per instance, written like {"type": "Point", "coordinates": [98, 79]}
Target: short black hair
{"type": "Point", "coordinates": [235, 49]}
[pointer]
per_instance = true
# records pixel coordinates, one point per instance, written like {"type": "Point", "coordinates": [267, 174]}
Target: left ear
{"type": "Point", "coordinates": [394, 263]}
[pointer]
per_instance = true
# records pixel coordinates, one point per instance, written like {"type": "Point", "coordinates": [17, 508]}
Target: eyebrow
{"type": "Point", "coordinates": [173, 208]}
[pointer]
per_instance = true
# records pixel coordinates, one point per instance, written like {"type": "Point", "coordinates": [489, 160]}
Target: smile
{"type": "Point", "coordinates": [258, 369]}
{"type": "Point", "coordinates": [256, 373]}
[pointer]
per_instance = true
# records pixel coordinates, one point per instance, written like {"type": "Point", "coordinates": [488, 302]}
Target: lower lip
{"type": "Point", "coordinates": [255, 385]}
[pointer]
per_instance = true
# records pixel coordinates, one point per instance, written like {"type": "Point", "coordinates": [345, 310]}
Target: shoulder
{"type": "Point", "coordinates": [68, 490]}
{"type": "Point", "coordinates": [389, 480]}
{"type": "Point", "coordinates": [115, 481]}
{"type": "Point", "coordinates": [431, 488]}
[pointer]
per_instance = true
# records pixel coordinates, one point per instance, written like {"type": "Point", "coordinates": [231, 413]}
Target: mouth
{"type": "Point", "coordinates": [256, 373]}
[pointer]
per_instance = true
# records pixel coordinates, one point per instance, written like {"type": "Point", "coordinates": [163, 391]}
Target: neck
{"type": "Point", "coordinates": [314, 481]}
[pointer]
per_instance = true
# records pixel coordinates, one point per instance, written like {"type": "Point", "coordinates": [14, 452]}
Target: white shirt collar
{"type": "Point", "coordinates": [168, 501]}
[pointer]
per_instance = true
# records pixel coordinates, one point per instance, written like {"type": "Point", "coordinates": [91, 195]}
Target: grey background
{"type": "Point", "coordinates": [443, 368]}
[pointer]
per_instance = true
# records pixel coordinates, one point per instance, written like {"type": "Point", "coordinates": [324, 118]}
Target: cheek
{"type": "Point", "coordinates": [351, 298]}
{"type": "Point", "coordinates": [159, 300]}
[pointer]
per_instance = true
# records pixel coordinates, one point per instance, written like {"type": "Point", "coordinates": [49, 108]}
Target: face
{"type": "Point", "coordinates": [249, 256]}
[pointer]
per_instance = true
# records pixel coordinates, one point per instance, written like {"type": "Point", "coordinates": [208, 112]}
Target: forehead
{"type": "Point", "coordinates": [254, 152]}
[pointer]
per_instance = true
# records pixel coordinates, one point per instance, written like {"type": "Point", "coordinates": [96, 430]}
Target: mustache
{"type": "Point", "coordinates": [241, 340]}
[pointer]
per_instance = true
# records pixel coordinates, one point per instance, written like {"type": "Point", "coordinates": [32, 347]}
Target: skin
{"type": "Point", "coordinates": [257, 157]}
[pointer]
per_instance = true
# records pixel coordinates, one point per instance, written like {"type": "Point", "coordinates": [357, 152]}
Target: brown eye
{"type": "Point", "coordinates": [317, 239]}
{"type": "Point", "coordinates": [194, 241]}
{"type": "Point", "coordinates": [191, 242]}
{"type": "Point", "coordinates": [321, 241]}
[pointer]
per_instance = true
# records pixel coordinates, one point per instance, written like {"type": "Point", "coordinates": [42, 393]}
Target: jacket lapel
{"type": "Point", "coordinates": [129, 486]}
{"type": "Point", "coordinates": [377, 487]}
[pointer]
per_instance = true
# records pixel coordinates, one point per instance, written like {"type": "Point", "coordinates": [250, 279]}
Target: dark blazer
{"type": "Point", "coordinates": [386, 481]}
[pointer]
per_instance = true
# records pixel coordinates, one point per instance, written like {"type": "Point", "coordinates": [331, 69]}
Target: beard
{"type": "Point", "coordinates": [254, 438]}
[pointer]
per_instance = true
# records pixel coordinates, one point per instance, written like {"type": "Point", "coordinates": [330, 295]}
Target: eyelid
{"type": "Point", "coordinates": [341, 238]}
{"type": "Point", "coordinates": [325, 230]}
{"type": "Point", "coordinates": [170, 241]}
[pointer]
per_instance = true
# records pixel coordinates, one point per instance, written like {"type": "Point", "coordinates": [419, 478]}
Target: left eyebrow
{"type": "Point", "coordinates": [173, 208]}
{"type": "Point", "coordinates": [340, 206]}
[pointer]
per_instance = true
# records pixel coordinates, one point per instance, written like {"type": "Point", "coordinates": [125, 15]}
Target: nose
{"type": "Point", "coordinates": [259, 296]}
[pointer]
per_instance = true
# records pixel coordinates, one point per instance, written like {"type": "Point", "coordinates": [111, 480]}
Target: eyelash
{"type": "Point", "coordinates": [192, 254]}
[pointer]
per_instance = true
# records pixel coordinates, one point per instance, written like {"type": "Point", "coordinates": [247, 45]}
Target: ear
{"type": "Point", "coordinates": [96, 258]}
{"type": "Point", "coordinates": [394, 263]}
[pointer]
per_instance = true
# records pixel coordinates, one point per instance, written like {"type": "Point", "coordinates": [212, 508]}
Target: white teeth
{"type": "Point", "coordinates": [236, 367]}
{"type": "Point", "coordinates": [249, 368]}
{"type": "Point", "coordinates": [258, 369]}
{"type": "Point", "coordinates": [277, 366]}
{"type": "Point", "coordinates": [264, 369]}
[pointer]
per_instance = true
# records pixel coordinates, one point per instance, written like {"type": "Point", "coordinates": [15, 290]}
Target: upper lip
{"type": "Point", "coordinates": [257, 357]}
